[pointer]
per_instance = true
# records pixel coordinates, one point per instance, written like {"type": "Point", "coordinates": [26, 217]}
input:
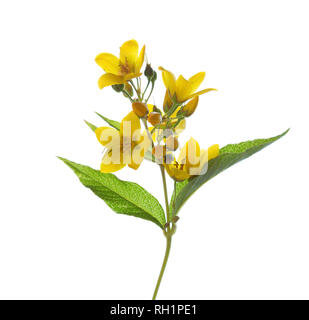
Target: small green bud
{"type": "Point", "coordinates": [129, 89]}
{"type": "Point", "coordinates": [118, 87]}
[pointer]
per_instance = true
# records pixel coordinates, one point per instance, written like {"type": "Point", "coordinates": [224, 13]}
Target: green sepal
{"type": "Point", "coordinates": [90, 125]}
{"type": "Point", "coordinates": [112, 123]}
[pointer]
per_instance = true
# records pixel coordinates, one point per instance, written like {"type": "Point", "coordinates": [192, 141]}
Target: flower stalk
{"type": "Point", "coordinates": [168, 234]}
{"type": "Point", "coordinates": [167, 253]}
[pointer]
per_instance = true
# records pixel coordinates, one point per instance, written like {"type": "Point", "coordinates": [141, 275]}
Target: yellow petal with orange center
{"type": "Point", "coordinates": [177, 172]}
{"type": "Point", "coordinates": [129, 54]}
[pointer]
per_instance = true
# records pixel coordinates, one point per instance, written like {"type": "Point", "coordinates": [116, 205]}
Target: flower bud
{"type": "Point", "coordinates": [154, 118]}
{"type": "Point", "coordinates": [128, 88]}
{"type": "Point", "coordinates": [149, 72]}
{"type": "Point", "coordinates": [118, 87]}
{"type": "Point", "coordinates": [140, 109]}
{"type": "Point", "coordinates": [172, 143]}
{"type": "Point", "coordinates": [190, 107]}
{"type": "Point", "coordinates": [154, 76]}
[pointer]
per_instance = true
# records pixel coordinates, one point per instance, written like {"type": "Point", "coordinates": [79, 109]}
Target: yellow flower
{"type": "Point", "coordinates": [124, 147]}
{"type": "Point", "coordinates": [120, 70]}
{"type": "Point", "coordinates": [182, 89]}
{"type": "Point", "coordinates": [191, 161]}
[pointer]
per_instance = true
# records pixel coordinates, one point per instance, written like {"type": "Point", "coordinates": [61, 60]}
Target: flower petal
{"type": "Point", "coordinates": [108, 62]}
{"type": "Point", "coordinates": [129, 53]}
{"type": "Point", "coordinates": [202, 92]}
{"type": "Point", "coordinates": [183, 89]}
{"type": "Point", "coordinates": [196, 80]}
{"type": "Point", "coordinates": [190, 153]}
{"type": "Point", "coordinates": [111, 162]}
{"type": "Point", "coordinates": [108, 79]}
{"type": "Point", "coordinates": [169, 81]}
{"type": "Point", "coordinates": [190, 107]}
{"type": "Point", "coordinates": [107, 135]}
{"type": "Point", "coordinates": [167, 103]}
{"type": "Point", "coordinates": [177, 173]}
{"type": "Point", "coordinates": [130, 126]}
{"type": "Point", "coordinates": [213, 151]}
{"type": "Point", "coordinates": [130, 76]}
{"type": "Point", "coordinates": [140, 60]}
{"type": "Point", "coordinates": [206, 155]}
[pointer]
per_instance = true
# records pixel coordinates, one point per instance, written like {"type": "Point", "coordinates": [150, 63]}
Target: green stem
{"type": "Point", "coordinates": [136, 90]}
{"type": "Point", "coordinates": [165, 193]}
{"type": "Point", "coordinates": [152, 86]}
{"type": "Point", "coordinates": [169, 231]}
{"type": "Point", "coordinates": [174, 200]}
{"type": "Point", "coordinates": [146, 89]}
{"type": "Point", "coordinates": [167, 252]}
{"type": "Point", "coordinates": [126, 93]}
{"type": "Point", "coordinates": [168, 234]}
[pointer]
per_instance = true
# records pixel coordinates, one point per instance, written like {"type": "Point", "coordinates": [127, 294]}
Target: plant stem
{"type": "Point", "coordinates": [152, 86]}
{"type": "Point", "coordinates": [126, 93]}
{"type": "Point", "coordinates": [146, 89]}
{"type": "Point", "coordinates": [167, 252]}
{"type": "Point", "coordinates": [165, 193]}
{"type": "Point", "coordinates": [136, 90]}
{"type": "Point", "coordinates": [168, 234]}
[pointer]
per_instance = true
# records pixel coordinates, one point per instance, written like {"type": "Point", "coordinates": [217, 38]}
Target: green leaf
{"type": "Point", "coordinates": [112, 123]}
{"type": "Point", "coordinates": [229, 155]}
{"type": "Point", "coordinates": [122, 196]}
{"type": "Point", "coordinates": [90, 125]}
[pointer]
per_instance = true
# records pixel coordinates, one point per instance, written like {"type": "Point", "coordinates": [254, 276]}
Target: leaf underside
{"type": "Point", "coordinates": [229, 155]}
{"type": "Point", "coordinates": [122, 196]}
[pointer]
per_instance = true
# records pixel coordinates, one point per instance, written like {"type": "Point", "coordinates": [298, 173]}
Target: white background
{"type": "Point", "coordinates": [244, 235]}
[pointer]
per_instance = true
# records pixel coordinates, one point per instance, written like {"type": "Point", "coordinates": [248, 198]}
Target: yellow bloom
{"type": "Point", "coordinates": [191, 161]}
{"type": "Point", "coordinates": [124, 147]}
{"type": "Point", "coordinates": [181, 88]}
{"type": "Point", "coordinates": [119, 70]}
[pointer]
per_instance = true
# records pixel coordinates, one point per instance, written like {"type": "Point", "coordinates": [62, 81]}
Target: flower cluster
{"type": "Point", "coordinates": [158, 141]}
